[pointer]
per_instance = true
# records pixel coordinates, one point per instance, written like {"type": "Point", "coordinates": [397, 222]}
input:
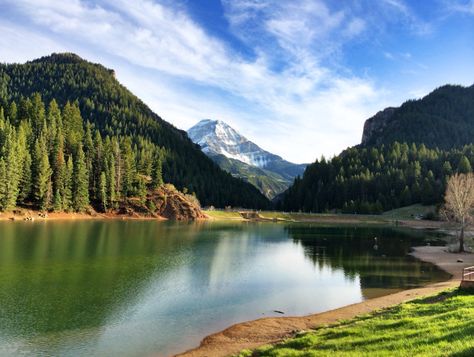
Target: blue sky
{"type": "Point", "coordinates": [298, 77]}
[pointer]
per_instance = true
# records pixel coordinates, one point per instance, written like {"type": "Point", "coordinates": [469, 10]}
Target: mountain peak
{"type": "Point", "coordinates": [62, 57]}
{"type": "Point", "coordinates": [217, 137]}
{"type": "Point", "coordinates": [243, 158]}
{"type": "Point", "coordinates": [69, 58]}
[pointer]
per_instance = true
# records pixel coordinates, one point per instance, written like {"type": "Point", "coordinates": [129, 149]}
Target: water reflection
{"type": "Point", "coordinates": [135, 288]}
{"type": "Point", "coordinates": [375, 255]}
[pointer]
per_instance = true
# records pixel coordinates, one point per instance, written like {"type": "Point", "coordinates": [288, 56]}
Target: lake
{"type": "Point", "coordinates": [135, 288]}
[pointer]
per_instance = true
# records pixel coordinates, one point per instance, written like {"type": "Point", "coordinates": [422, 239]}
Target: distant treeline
{"type": "Point", "coordinates": [377, 179]}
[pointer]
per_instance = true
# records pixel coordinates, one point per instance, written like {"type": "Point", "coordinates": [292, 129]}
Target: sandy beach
{"type": "Point", "coordinates": [251, 334]}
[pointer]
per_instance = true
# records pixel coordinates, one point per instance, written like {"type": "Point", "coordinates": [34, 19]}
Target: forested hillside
{"type": "Point", "coordinates": [71, 135]}
{"type": "Point", "coordinates": [268, 182]}
{"type": "Point", "coordinates": [405, 157]}
{"type": "Point", "coordinates": [443, 119]}
{"type": "Point", "coordinates": [376, 179]}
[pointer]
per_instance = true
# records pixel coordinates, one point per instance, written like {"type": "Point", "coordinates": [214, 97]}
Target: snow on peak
{"type": "Point", "coordinates": [217, 137]}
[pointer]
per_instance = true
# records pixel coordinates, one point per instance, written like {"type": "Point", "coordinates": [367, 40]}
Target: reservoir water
{"type": "Point", "coordinates": [140, 288]}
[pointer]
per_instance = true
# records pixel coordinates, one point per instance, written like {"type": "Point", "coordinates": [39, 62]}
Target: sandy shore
{"type": "Point", "coordinates": [36, 216]}
{"type": "Point", "coordinates": [249, 335]}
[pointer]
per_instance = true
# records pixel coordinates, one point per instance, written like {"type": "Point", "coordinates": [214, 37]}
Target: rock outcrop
{"type": "Point", "coordinates": [167, 202]}
{"type": "Point", "coordinates": [375, 125]}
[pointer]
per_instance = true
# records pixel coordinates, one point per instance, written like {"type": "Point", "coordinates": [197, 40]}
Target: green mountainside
{"type": "Point", "coordinates": [405, 158]}
{"type": "Point", "coordinates": [268, 182]}
{"type": "Point", "coordinates": [61, 115]}
{"type": "Point", "coordinates": [443, 119]}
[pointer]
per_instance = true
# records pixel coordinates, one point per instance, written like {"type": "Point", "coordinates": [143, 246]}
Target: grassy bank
{"type": "Point", "coordinates": [296, 217]}
{"type": "Point", "coordinates": [435, 326]}
{"type": "Point", "coordinates": [404, 213]}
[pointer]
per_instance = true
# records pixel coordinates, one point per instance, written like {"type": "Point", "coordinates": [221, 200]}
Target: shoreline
{"type": "Point", "coordinates": [270, 330]}
{"type": "Point", "coordinates": [36, 216]}
{"type": "Point", "coordinates": [29, 215]}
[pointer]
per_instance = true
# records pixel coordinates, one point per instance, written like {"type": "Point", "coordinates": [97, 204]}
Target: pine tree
{"type": "Point", "coordinates": [157, 173]}
{"type": "Point", "coordinates": [37, 114]}
{"type": "Point", "coordinates": [3, 182]}
{"type": "Point", "coordinates": [89, 154]}
{"type": "Point", "coordinates": [67, 187]}
{"type": "Point", "coordinates": [42, 175]}
{"type": "Point", "coordinates": [25, 178]}
{"type": "Point", "coordinates": [98, 165]}
{"type": "Point", "coordinates": [141, 187]}
{"type": "Point", "coordinates": [129, 173]}
{"type": "Point", "coordinates": [73, 125]}
{"type": "Point", "coordinates": [13, 114]}
{"type": "Point", "coordinates": [447, 169]}
{"type": "Point", "coordinates": [103, 191]}
{"type": "Point", "coordinates": [81, 182]}
{"type": "Point", "coordinates": [11, 155]}
{"type": "Point", "coordinates": [111, 187]}
{"type": "Point", "coordinates": [464, 166]}
{"type": "Point", "coordinates": [58, 161]}
{"type": "Point", "coordinates": [53, 119]}
{"type": "Point", "coordinates": [58, 201]}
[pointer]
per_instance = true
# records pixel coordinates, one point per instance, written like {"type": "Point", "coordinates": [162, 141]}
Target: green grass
{"type": "Point", "coordinates": [223, 214]}
{"type": "Point", "coordinates": [296, 216]}
{"type": "Point", "coordinates": [437, 326]}
{"type": "Point", "coordinates": [403, 213]}
{"type": "Point", "coordinates": [299, 217]}
{"type": "Point", "coordinates": [408, 212]}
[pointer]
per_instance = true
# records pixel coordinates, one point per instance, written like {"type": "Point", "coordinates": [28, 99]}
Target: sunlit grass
{"type": "Point", "coordinates": [223, 214]}
{"type": "Point", "coordinates": [409, 212]}
{"type": "Point", "coordinates": [436, 326]}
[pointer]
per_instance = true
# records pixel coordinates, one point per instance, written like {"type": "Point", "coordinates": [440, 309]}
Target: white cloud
{"type": "Point", "coordinates": [300, 111]}
{"type": "Point", "coordinates": [414, 22]}
{"type": "Point", "coordinates": [466, 7]}
{"type": "Point", "coordinates": [388, 55]}
{"type": "Point", "coordinates": [18, 45]}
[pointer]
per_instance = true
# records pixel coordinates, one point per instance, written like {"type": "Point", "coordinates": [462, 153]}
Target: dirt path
{"type": "Point", "coordinates": [249, 335]}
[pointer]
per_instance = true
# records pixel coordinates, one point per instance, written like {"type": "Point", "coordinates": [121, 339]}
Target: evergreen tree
{"type": "Point", "coordinates": [464, 166]}
{"type": "Point", "coordinates": [447, 169]}
{"type": "Point", "coordinates": [73, 125]}
{"type": "Point", "coordinates": [103, 191]}
{"type": "Point", "coordinates": [42, 175]}
{"type": "Point", "coordinates": [66, 193]}
{"type": "Point", "coordinates": [3, 183]}
{"type": "Point", "coordinates": [10, 153]}
{"type": "Point", "coordinates": [58, 202]}
{"type": "Point", "coordinates": [13, 114]}
{"type": "Point", "coordinates": [37, 114]}
{"type": "Point", "coordinates": [81, 182]}
{"type": "Point", "coordinates": [157, 173]}
{"type": "Point", "coordinates": [111, 186]}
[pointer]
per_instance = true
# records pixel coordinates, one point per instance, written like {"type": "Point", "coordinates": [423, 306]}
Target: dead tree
{"type": "Point", "coordinates": [459, 202]}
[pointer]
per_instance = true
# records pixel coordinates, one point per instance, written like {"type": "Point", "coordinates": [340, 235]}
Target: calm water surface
{"type": "Point", "coordinates": [131, 288]}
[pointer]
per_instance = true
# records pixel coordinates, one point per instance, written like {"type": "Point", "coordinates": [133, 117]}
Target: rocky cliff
{"type": "Point", "coordinates": [375, 125]}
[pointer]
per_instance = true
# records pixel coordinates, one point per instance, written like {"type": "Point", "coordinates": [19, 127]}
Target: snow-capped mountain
{"type": "Point", "coordinates": [217, 139]}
